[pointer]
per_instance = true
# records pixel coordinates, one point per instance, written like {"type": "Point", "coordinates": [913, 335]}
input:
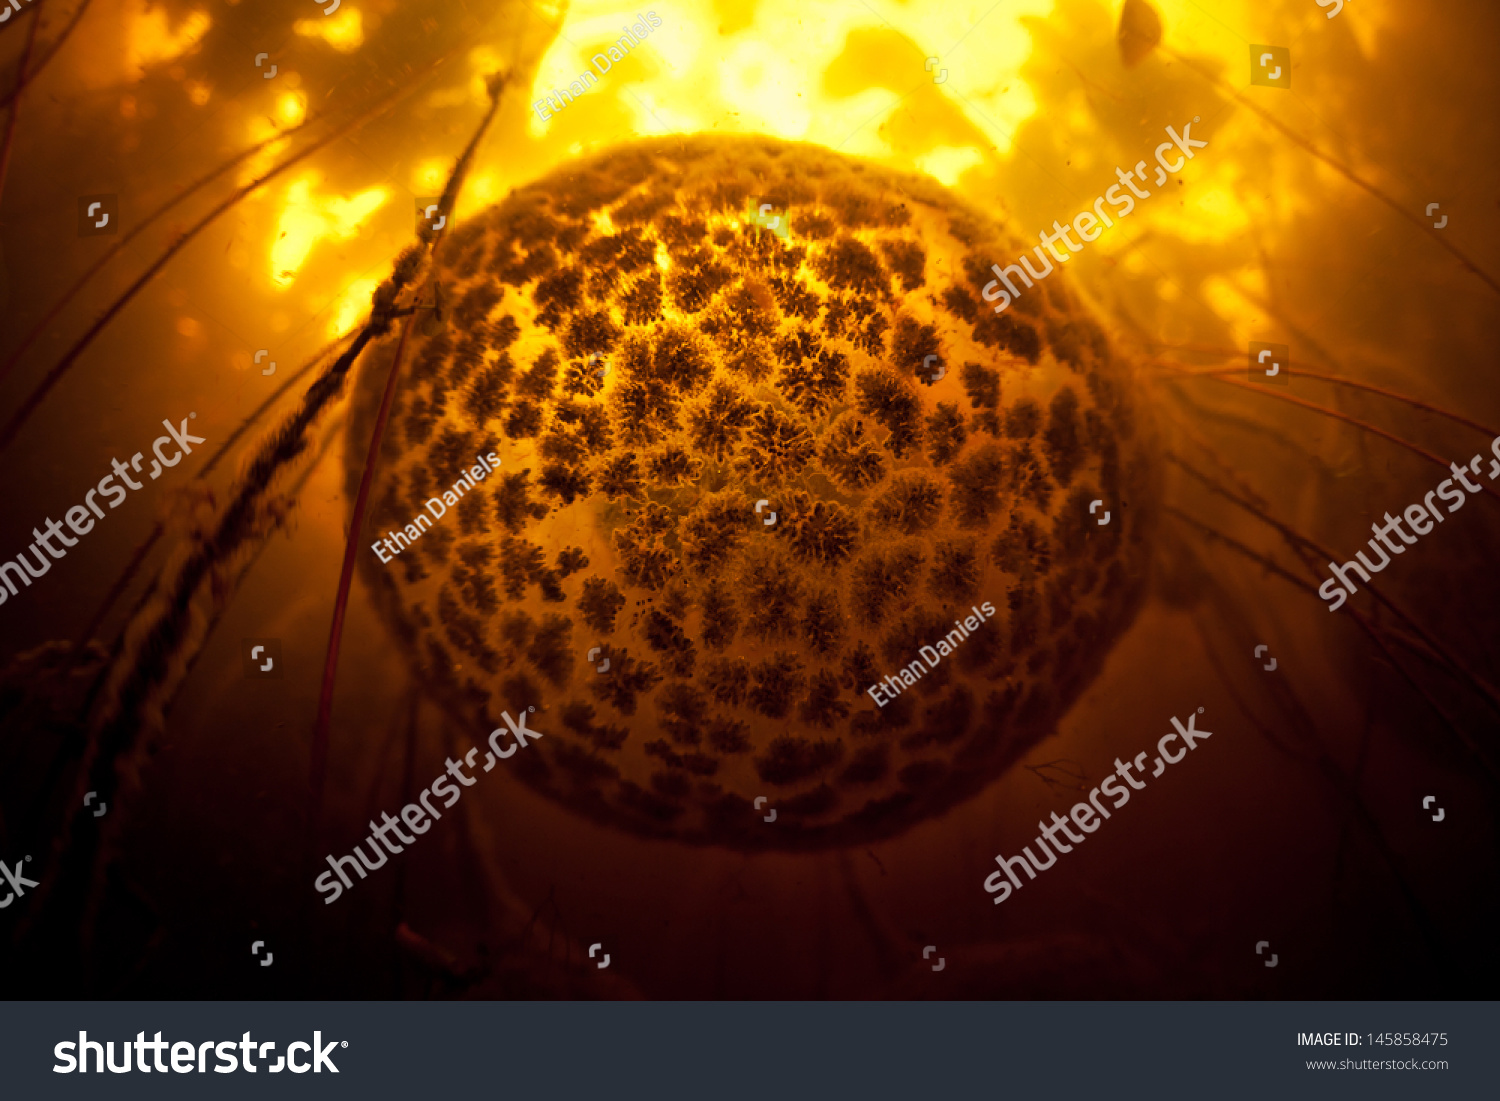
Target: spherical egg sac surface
{"type": "Point", "coordinates": [760, 447]}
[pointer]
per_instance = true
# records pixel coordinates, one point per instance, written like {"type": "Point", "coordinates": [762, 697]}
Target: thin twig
{"type": "Point", "coordinates": [15, 95]}
{"type": "Point", "coordinates": [57, 44]}
{"type": "Point", "coordinates": [1369, 388]}
{"type": "Point", "coordinates": [429, 237]}
{"type": "Point", "coordinates": [1366, 426]}
{"type": "Point", "coordinates": [136, 230]}
{"type": "Point", "coordinates": [34, 399]}
{"type": "Point", "coordinates": [1339, 167]}
{"type": "Point", "coordinates": [134, 565]}
{"type": "Point", "coordinates": [1301, 544]}
{"type": "Point", "coordinates": [346, 579]}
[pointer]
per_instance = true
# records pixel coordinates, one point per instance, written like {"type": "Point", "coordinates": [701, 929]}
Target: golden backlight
{"type": "Point", "coordinates": [309, 145]}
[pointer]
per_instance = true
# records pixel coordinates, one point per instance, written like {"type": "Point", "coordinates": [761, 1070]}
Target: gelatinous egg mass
{"type": "Point", "coordinates": [762, 447]}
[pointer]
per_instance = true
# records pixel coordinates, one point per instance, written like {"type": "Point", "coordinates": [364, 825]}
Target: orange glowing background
{"type": "Point", "coordinates": [1026, 112]}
